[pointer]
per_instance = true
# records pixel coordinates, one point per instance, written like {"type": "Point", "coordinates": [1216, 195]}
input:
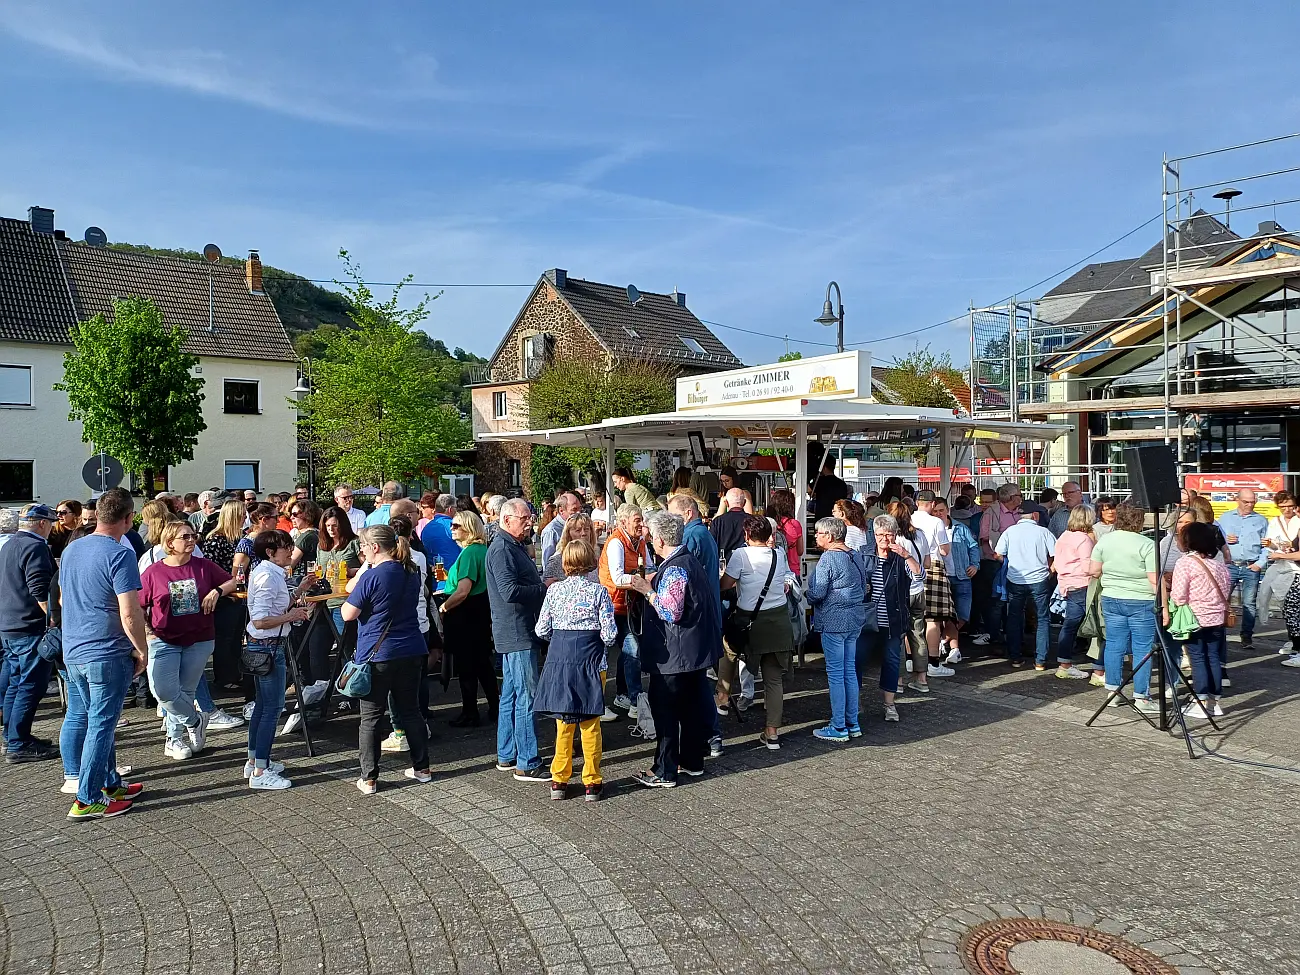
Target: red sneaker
{"type": "Point", "coordinates": [125, 791]}
{"type": "Point", "coordinates": [99, 810]}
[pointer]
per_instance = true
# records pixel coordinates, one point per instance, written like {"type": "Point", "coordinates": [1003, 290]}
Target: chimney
{"type": "Point", "coordinates": [253, 272]}
{"type": "Point", "coordinates": [558, 277]}
{"type": "Point", "coordinates": [679, 297]}
{"type": "Point", "coordinates": [60, 235]}
{"type": "Point", "coordinates": [1268, 228]}
{"type": "Point", "coordinates": [42, 220]}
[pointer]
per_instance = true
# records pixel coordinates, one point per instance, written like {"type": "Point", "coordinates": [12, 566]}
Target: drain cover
{"type": "Point", "coordinates": [1035, 946]}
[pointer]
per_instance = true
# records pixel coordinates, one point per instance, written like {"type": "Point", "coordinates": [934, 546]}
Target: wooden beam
{"type": "Point", "coordinates": [1187, 402]}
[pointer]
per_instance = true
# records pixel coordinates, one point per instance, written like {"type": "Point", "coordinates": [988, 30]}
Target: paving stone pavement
{"type": "Point", "coordinates": [981, 803]}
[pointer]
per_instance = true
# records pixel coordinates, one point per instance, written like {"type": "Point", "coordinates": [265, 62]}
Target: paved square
{"type": "Point", "coordinates": [990, 801]}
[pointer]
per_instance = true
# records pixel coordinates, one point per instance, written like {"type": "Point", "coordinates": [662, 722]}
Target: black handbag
{"type": "Point", "coordinates": [736, 628]}
{"type": "Point", "coordinates": [257, 662]}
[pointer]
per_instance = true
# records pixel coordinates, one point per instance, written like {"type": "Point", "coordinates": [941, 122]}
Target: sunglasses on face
{"type": "Point", "coordinates": [187, 537]}
{"type": "Point", "coordinates": [63, 511]}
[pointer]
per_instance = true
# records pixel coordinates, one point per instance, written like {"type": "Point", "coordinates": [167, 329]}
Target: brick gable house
{"type": "Point", "coordinates": [567, 318]}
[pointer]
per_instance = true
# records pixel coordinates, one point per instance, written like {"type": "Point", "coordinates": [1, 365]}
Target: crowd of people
{"type": "Point", "coordinates": [690, 606]}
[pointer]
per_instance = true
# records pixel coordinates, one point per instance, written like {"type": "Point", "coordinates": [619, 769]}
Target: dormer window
{"type": "Point", "coordinates": [538, 352]}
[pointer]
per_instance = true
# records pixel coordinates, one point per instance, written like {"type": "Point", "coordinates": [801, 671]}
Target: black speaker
{"type": "Point", "coordinates": [1152, 477]}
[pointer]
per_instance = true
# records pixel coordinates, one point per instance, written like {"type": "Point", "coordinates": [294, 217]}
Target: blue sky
{"type": "Point", "coordinates": [745, 153]}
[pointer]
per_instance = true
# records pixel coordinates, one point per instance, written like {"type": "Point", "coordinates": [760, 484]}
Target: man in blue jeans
{"type": "Point", "coordinates": [1028, 550]}
{"type": "Point", "coordinates": [1245, 531]}
{"type": "Point", "coordinates": [26, 567]}
{"type": "Point", "coordinates": [103, 650]}
{"type": "Point", "coordinates": [515, 593]}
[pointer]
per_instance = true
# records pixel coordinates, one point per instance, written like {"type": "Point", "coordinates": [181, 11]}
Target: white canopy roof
{"type": "Point", "coordinates": [779, 421]}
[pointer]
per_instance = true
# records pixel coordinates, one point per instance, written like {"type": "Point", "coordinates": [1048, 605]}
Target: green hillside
{"type": "Point", "coordinates": [310, 312]}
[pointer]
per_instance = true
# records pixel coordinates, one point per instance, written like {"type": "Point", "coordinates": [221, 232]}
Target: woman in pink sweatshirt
{"type": "Point", "coordinates": [1073, 553]}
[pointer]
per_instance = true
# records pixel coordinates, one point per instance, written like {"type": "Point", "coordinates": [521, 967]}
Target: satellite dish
{"type": "Point", "coordinates": [633, 296]}
{"type": "Point", "coordinates": [211, 253]}
{"type": "Point", "coordinates": [95, 237]}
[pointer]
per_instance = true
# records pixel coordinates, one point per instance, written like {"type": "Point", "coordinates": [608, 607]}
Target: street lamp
{"type": "Point", "coordinates": [830, 317]}
{"type": "Point", "coordinates": [300, 392]}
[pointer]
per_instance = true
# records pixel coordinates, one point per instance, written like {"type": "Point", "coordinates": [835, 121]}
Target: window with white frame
{"type": "Point", "coordinates": [16, 481]}
{"type": "Point", "coordinates": [15, 385]}
{"type": "Point", "coordinates": [500, 408]}
{"type": "Point", "coordinates": [242, 396]}
{"type": "Point", "coordinates": [693, 345]}
{"type": "Point", "coordinates": [243, 475]}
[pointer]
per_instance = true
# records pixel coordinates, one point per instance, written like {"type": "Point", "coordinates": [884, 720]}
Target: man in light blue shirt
{"type": "Point", "coordinates": [566, 505]}
{"type": "Point", "coordinates": [1245, 531]}
{"type": "Point", "coordinates": [390, 492]}
{"type": "Point", "coordinates": [1028, 549]}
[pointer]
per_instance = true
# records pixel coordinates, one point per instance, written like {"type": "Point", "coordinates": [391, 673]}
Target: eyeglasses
{"type": "Point", "coordinates": [63, 511]}
{"type": "Point", "coordinates": [187, 537]}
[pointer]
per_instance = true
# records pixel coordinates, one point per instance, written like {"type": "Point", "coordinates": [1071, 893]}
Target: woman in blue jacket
{"type": "Point", "coordinates": [891, 570]}
{"type": "Point", "coordinates": [836, 589]}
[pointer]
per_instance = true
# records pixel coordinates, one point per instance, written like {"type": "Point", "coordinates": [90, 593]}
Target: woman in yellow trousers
{"type": "Point", "coordinates": [577, 618]}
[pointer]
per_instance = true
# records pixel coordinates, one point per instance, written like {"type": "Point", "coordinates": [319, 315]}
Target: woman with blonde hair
{"type": "Point", "coordinates": [219, 548]}
{"type": "Point", "coordinates": [577, 527]}
{"type": "Point", "coordinates": [1073, 555]}
{"type": "Point", "coordinates": [467, 619]}
{"type": "Point", "coordinates": [384, 603]}
{"type": "Point", "coordinates": [682, 485]}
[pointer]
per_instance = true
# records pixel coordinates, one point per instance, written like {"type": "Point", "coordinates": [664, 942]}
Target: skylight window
{"type": "Point", "coordinates": [691, 344]}
{"type": "Point", "coordinates": [632, 332]}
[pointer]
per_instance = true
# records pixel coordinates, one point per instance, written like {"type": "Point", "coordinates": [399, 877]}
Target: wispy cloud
{"type": "Point", "coordinates": [203, 72]}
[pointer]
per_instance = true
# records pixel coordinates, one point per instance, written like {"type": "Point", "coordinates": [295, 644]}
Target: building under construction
{"type": "Point", "coordinates": [1188, 343]}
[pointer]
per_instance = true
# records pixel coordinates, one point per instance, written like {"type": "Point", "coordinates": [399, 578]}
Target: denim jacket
{"type": "Point", "coordinates": [835, 590]}
{"type": "Point", "coordinates": [965, 550]}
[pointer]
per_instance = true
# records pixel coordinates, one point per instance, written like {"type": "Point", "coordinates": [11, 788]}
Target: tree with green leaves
{"type": "Point", "coordinates": [922, 378]}
{"type": "Point", "coordinates": [789, 357]}
{"type": "Point", "coordinates": [129, 384]}
{"type": "Point", "coordinates": [379, 407]}
{"type": "Point", "coordinates": [578, 392]}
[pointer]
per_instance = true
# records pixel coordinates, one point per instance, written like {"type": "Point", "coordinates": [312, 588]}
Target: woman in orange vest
{"type": "Point", "coordinates": [624, 555]}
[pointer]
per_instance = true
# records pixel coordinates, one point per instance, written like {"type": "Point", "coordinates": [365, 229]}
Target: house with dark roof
{"type": "Point", "coordinates": [49, 282]}
{"type": "Point", "coordinates": [569, 318]}
{"type": "Point", "coordinates": [1098, 356]}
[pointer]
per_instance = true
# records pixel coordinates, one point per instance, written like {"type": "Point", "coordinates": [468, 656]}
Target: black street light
{"type": "Point", "coordinates": [830, 317]}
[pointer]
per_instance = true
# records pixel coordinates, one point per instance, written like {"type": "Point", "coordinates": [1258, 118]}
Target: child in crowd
{"type": "Point", "coordinates": [578, 618]}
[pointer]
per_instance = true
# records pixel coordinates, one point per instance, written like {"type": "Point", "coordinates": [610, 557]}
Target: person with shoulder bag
{"type": "Point", "coordinates": [391, 652]}
{"type": "Point", "coordinates": [270, 616]}
{"type": "Point", "coordinates": [758, 629]}
{"type": "Point", "coordinates": [1202, 583]}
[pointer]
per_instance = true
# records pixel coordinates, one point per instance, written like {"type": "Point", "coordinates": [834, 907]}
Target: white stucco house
{"type": "Point", "coordinates": [48, 282]}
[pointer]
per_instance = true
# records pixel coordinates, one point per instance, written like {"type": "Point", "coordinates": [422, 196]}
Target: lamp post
{"type": "Point", "coordinates": [830, 316]}
{"type": "Point", "coordinates": [301, 391]}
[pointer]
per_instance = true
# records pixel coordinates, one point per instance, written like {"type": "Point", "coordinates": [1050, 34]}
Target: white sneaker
{"type": "Point", "coordinates": [424, 778]}
{"type": "Point", "coordinates": [1292, 661]}
{"type": "Point", "coordinates": [622, 702]}
{"type": "Point", "coordinates": [198, 734]}
{"type": "Point", "coordinates": [276, 767]}
{"type": "Point", "coordinates": [1193, 710]}
{"type": "Point", "coordinates": [248, 710]}
{"type": "Point", "coordinates": [69, 787]}
{"type": "Point", "coordinates": [1070, 673]}
{"type": "Point", "coordinates": [908, 664]}
{"type": "Point", "coordinates": [940, 671]}
{"type": "Point", "coordinates": [395, 743]}
{"type": "Point", "coordinates": [1218, 710]}
{"type": "Point", "coordinates": [633, 713]}
{"type": "Point", "coordinates": [219, 720]}
{"type": "Point", "coordinates": [954, 656]}
{"type": "Point", "coordinates": [1288, 647]}
{"type": "Point", "coordinates": [177, 749]}
{"type": "Point", "coordinates": [608, 716]}
{"type": "Point", "coordinates": [980, 639]}
{"type": "Point", "coordinates": [268, 780]}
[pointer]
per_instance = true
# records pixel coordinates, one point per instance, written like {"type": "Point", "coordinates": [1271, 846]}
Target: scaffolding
{"type": "Point", "coordinates": [1183, 353]}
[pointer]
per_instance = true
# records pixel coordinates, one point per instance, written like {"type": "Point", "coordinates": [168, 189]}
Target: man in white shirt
{"type": "Point", "coordinates": [1280, 546]}
{"type": "Point", "coordinates": [1028, 549]}
{"type": "Point", "coordinates": [343, 498]}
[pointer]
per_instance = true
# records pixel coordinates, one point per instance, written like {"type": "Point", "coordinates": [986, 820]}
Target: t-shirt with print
{"type": "Point", "coordinates": [749, 566]}
{"type": "Point", "coordinates": [94, 572]}
{"type": "Point", "coordinates": [172, 598]}
{"type": "Point", "coordinates": [1126, 558]}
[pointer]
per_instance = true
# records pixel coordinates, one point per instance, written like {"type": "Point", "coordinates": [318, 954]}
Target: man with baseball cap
{"type": "Point", "coordinates": [26, 568]}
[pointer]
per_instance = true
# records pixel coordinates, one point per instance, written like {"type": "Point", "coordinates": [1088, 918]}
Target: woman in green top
{"type": "Point", "coordinates": [1125, 561]}
{"type": "Point", "coordinates": [336, 543]}
{"type": "Point", "coordinates": [467, 619]}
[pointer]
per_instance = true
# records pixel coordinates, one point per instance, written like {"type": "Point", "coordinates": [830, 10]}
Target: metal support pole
{"type": "Point", "coordinates": [1013, 341]}
{"type": "Point", "coordinates": [609, 480]}
{"type": "Point", "coordinates": [945, 461]}
{"type": "Point", "coordinates": [801, 478]}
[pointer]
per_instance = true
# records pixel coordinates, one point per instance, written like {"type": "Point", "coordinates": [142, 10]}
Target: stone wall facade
{"type": "Point", "coordinates": [546, 313]}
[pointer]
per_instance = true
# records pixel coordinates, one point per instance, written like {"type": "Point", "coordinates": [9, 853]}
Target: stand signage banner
{"type": "Point", "coordinates": [843, 375]}
{"type": "Point", "coordinates": [1221, 489]}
